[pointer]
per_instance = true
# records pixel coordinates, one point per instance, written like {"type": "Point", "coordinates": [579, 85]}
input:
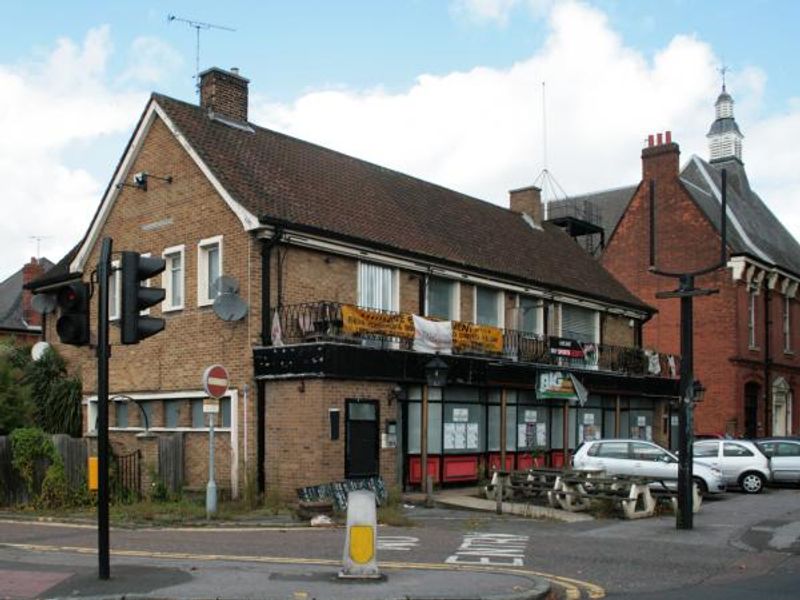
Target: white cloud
{"type": "Point", "coordinates": [497, 11]}
{"type": "Point", "coordinates": [51, 109]}
{"type": "Point", "coordinates": [480, 131]}
{"type": "Point", "coordinates": [150, 60]}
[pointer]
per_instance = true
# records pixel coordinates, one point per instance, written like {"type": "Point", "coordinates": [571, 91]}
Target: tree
{"type": "Point", "coordinates": [16, 407]}
{"type": "Point", "coordinates": [56, 395]}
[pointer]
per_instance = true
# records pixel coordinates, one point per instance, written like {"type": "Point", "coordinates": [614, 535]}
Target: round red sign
{"type": "Point", "coordinates": [215, 381]}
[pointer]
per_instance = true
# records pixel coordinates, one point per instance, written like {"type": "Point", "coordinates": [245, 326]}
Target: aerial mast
{"type": "Point", "coordinates": [198, 25]}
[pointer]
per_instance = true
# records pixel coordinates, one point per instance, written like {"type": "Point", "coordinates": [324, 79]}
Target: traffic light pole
{"type": "Point", "coordinates": [103, 354]}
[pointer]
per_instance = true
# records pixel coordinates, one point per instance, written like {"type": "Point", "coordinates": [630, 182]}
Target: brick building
{"type": "Point", "coordinates": [18, 320]}
{"type": "Point", "coordinates": [333, 256]}
{"type": "Point", "coordinates": [746, 337]}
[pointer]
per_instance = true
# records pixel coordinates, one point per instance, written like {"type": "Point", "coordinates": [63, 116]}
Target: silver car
{"type": "Point", "coordinates": [741, 462]}
{"type": "Point", "coordinates": [643, 459]}
{"type": "Point", "coordinates": [784, 458]}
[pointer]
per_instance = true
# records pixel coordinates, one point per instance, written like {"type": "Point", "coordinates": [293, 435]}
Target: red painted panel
{"type": "Point", "coordinates": [494, 461]}
{"type": "Point", "coordinates": [415, 468]}
{"type": "Point", "coordinates": [526, 461]}
{"type": "Point", "coordinates": [460, 468]}
{"type": "Point", "coordinates": [557, 459]}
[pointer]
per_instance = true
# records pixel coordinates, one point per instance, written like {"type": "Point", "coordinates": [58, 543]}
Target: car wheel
{"type": "Point", "coordinates": [701, 486]}
{"type": "Point", "coordinates": [751, 483]}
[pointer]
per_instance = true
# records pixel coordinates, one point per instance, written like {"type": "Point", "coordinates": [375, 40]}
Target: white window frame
{"type": "Point", "coordinates": [751, 320]}
{"type": "Point", "coordinates": [115, 307]}
{"type": "Point", "coordinates": [166, 279]}
{"type": "Point", "coordinates": [455, 297]}
{"type": "Point", "coordinates": [787, 325]}
{"type": "Point", "coordinates": [395, 300]}
{"type": "Point", "coordinates": [500, 301]}
{"type": "Point", "coordinates": [202, 268]}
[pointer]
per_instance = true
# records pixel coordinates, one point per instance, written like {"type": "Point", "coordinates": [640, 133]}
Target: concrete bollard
{"type": "Point", "coordinates": [359, 560]}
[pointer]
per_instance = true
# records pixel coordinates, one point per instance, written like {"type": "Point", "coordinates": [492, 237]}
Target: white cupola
{"type": "Point", "coordinates": [724, 137]}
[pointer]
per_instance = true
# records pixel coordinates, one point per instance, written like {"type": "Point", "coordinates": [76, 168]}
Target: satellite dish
{"type": "Point", "coordinates": [44, 303]}
{"type": "Point", "coordinates": [225, 285]}
{"type": "Point", "coordinates": [38, 350]}
{"type": "Point", "coordinates": [230, 307]}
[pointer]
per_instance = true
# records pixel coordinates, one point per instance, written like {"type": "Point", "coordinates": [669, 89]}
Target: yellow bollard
{"type": "Point", "coordinates": [91, 473]}
{"type": "Point", "coordinates": [359, 561]}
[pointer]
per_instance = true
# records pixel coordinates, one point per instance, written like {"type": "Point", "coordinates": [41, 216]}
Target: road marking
{"type": "Point", "coordinates": [572, 587]}
{"type": "Point", "coordinates": [499, 549]}
{"type": "Point", "coordinates": [402, 543]}
{"type": "Point", "coordinates": [199, 528]}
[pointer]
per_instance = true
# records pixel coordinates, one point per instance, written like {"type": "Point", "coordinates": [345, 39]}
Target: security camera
{"type": "Point", "coordinates": [140, 180]}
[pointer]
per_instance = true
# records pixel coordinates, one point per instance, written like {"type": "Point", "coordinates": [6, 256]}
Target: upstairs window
{"type": "Point", "coordinates": [377, 287]}
{"type": "Point", "coordinates": [172, 279]}
{"type": "Point", "coordinates": [530, 315]}
{"type": "Point", "coordinates": [442, 299]}
{"type": "Point", "coordinates": [488, 307]}
{"type": "Point", "coordinates": [209, 268]}
{"type": "Point", "coordinates": [581, 324]}
{"type": "Point", "coordinates": [114, 291]}
{"type": "Point", "coordinates": [787, 324]}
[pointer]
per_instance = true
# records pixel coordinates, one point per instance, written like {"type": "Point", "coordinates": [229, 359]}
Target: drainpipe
{"type": "Point", "coordinates": [767, 364]}
{"type": "Point", "coordinates": [266, 292]}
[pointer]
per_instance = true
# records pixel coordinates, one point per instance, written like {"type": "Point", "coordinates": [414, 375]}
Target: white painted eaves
{"type": "Point", "coordinates": [249, 220]}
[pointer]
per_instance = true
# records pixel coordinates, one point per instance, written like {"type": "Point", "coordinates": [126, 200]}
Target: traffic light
{"type": "Point", "coordinates": [73, 324]}
{"type": "Point", "coordinates": [136, 297]}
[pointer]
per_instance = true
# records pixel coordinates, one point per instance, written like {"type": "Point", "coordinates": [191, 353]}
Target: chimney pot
{"type": "Point", "coordinates": [668, 135]}
{"type": "Point", "coordinates": [650, 140]}
{"type": "Point", "coordinates": [659, 139]}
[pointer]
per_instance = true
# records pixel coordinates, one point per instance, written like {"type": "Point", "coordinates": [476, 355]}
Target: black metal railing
{"type": "Point", "coordinates": [324, 322]}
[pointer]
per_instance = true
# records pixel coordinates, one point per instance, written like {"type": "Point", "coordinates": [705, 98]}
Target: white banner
{"type": "Point", "coordinates": [433, 336]}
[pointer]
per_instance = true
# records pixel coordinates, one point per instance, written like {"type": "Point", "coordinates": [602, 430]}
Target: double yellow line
{"type": "Point", "coordinates": [574, 589]}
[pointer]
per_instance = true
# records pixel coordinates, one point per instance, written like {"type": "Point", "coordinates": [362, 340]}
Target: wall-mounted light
{"type": "Point", "coordinates": [141, 178]}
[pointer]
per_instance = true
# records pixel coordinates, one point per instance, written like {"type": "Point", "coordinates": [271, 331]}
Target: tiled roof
{"type": "Point", "coordinates": [610, 205]}
{"type": "Point", "coordinates": [283, 179]}
{"type": "Point", "coordinates": [11, 316]}
{"type": "Point", "coordinates": [752, 228]}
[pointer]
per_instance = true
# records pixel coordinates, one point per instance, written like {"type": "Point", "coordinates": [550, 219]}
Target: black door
{"type": "Point", "coordinates": [361, 444]}
{"type": "Point", "coordinates": [751, 410]}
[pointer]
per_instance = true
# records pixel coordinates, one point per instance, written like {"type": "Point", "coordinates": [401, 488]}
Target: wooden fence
{"type": "Point", "coordinates": [13, 490]}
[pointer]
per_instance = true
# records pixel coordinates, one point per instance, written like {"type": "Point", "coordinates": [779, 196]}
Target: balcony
{"type": "Point", "coordinates": [316, 322]}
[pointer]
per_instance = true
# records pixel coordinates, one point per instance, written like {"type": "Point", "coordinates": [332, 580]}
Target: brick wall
{"type": "Point", "coordinates": [299, 449]}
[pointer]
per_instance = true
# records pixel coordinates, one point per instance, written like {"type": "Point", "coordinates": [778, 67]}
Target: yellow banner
{"type": "Point", "coordinates": [358, 320]}
{"type": "Point", "coordinates": [466, 336]}
{"type": "Point", "coordinates": [480, 338]}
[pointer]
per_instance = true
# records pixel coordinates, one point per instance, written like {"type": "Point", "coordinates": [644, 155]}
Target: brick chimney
{"type": "Point", "coordinates": [528, 200]}
{"type": "Point", "coordinates": [661, 157]}
{"type": "Point", "coordinates": [224, 93]}
{"type": "Point", "coordinates": [30, 271]}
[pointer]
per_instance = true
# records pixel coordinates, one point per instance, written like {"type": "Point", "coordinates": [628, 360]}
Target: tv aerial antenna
{"type": "Point", "coordinates": [551, 189]}
{"type": "Point", "coordinates": [38, 239]}
{"type": "Point", "coordinates": [198, 26]}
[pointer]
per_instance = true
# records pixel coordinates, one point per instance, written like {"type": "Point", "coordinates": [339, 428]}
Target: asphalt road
{"type": "Point", "coordinates": [741, 547]}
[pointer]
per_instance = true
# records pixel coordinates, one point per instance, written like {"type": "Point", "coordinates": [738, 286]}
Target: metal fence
{"type": "Point", "coordinates": [323, 321]}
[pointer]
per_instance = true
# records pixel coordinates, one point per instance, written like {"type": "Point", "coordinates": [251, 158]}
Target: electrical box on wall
{"type": "Point", "coordinates": [333, 416]}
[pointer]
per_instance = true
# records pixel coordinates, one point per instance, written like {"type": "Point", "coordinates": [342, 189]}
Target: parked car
{"type": "Point", "coordinates": [644, 459]}
{"type": "Point", "coordinates": [741, 462]}
{"type": "Point", "coordinates": [784, 458]}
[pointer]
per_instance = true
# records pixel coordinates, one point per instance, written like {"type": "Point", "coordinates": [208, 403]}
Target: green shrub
{"type": "Point", "coordinates": [30, 446]}
{"type": "Point", "coordinates": [55, 489]}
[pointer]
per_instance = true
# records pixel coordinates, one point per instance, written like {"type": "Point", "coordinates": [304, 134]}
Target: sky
{"type": "Point", "coordinates": [447, 90]}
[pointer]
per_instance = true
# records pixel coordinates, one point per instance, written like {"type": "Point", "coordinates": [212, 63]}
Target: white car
{"type": "Point", "coordinates": [742, 463]}
{"type": "Point", "coordinates": [643, 459]}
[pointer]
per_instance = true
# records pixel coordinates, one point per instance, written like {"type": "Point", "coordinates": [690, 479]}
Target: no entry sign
{"type": "Point", "coordinates": [215, 381]}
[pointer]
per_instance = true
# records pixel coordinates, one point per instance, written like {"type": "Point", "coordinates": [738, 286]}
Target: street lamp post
{"type": "Point", "coordinates": [435, 377]}
{"type": "Point", "coordinates": [686, 292]}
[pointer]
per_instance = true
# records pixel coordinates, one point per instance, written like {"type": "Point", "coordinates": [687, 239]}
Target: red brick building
{"type": "Point", "coordinates": [746, 337]}
{"type": "Point", "coordinates": [18, 320]}
{"type": "Point", "coordinates": [332, 256]}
